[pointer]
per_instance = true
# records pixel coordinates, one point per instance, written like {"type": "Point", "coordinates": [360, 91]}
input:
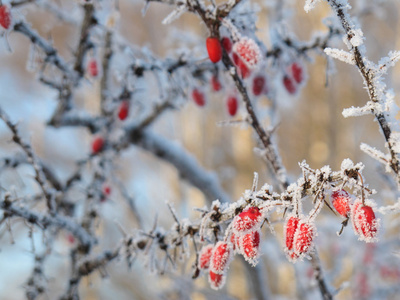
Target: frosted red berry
{"type": "Point", "coordinates": [232, 105]}
{"type": "Point", "coordinates": [217, 281]}
{"type": "Point", "coordinates": [247, 220]}
{"type": "Point", "coordinates": [71, 239]}
{"type": "Point", "coordinates": [227, 44]}
{"type": "Point", "coordinates": [92, 68]}
{"type": "Point", "coordinates": [364, 221]}
{"type": "Point", "coordinates": [297, 72]}
{"type": "Point", "coordinates": [221, 257]}
{"type": "Point", "coordinates": [258, 85]}
{"type": "Point", "coordinates": [341, 202]}
{"type": "Point", "coordinates": [234, 240]}
{"type": "Point", "coordinates": [290, 230]}
{"type": "Point", "coordinates": [289, 84]}
{"type": "Point", "coordinates": [303, 238]}
{"type": "Point", "coordinates": [214, 49]}
{"type": "Point", "coordinates": [248, 51]}
{"type": "Point", "coordinates": [250, 244]}
{"type": "Point", "coordinates": [97, 144]}
{"type": "Point", "coordinates": [5, 16]}
{"type": "Point", "coordinates": [215, 83]}
{"type": "Point", "coordinates": [198, 97]}
{"type": "Point", "coordinates": [123, 110]}
{"type": "Point", "coordinates": [205, 257]}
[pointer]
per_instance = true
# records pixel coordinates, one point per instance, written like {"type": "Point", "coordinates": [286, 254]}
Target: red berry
{"type": "Point", "coordinates": [258, 85]}
{"type": "Point", "coordinates": [205, 256]}
{"type": "Point", "coordinates": [248, 51]}
{"type": "Point", "coordinates": [243, 70]}
{"type": "Point", "coordinates": [123, 111]}
{"type": "Point", "coordinates": [232, 105]}
{"type": "Point", "coordinates": [290, 230]}
{"type": "Point", "coordinates": [92, 68]}
{"type": "Point", "coordinates": [364, 221]}
{"type": "Point", "coordinates": [106, 190]}
{"type": "Point", "coordinates": [250, 244]}
{"type": "Point", "coordinates": [247, 220]}
{"type": "Point", "coordinates": [97, 144]}
{"type": "Point", "coordinates": [221, 257]}
{"type": "Point", "coordinates": [297, 72]}
{"type": "Point", "coordinates": [71, 239]}
{"type": "Point", "coordinates": [5, 16]}
{"type": "Point", "coordinates": [198, 97]}
{"type": "Point", "coordinates": [234, 240]}
{"type": "Point", "coordinates": [341, 202]}
{"type": "Point", "coordinates": [215, 83]}
{"type": "Point", "coordinates": [289, 85]}
{"type": "Point", "coordinates": [303, 238]}
{"type": "Point", "coordinates": [214, 49]}
{"type": "Point", "coordinates": [227, 44]}
{"type": "Point", "coordinates": [217, 281]}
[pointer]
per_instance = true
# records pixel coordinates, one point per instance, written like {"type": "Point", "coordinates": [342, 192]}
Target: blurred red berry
{"type": "Point", "coordinates": [5, 16]}
{"type": "Point", "coordinates": [71, 239]}
{"type": "Point", "coordinates": [232, 105]}
{"type": "Point", "coordinates": [215, 83]}
{"type": "Point", "coordinates": [123, 110]}
{"type": "Point", "coordinates": [92, 68]}
{"type": "Point", "coordinates": [289, 84]}
{"type": "Point", "coordinates": [341, 202]}
{"type": "Point", "coordinates": [198, 97]}
{"type": "Point", "coordinates": [217, 281]}
{"type": "Point", "coordinates": [227, 44]}
{"type": "Point", "coordinates": [247, 220]}
{"type": "Point", "coordinates": [106, 190]}
{"type": "Point", "coordinates": [97, 144]}
{"type": "Point", "coordinates": [297, 72]}
{"type": "Point", "coordinates": [221, 257]}
{"type": "Point", "coordinates": [243, 70]}
{"type": "Point", "coordinates": [205, 257]}
{"type": "Point", "coordinates": [214, 49]}
{"type": "Point", "coordinates": [258, 85]}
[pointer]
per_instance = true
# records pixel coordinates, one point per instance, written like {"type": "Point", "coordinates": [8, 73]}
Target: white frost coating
{"type": "Point", "coordinates": [375, 153]}
{"type": "Point", "coordinates": [395, 141]}
{"type": "Point", "coordinates": [347, 164]}
{"type": "Point", "coordinates": [175, 14]}
{"type": "Point", "coordinates": [368, 108]}
{"type": "Point", "coordinates": [386, 62]}
{"type": "Point", "coordinates": [358, 37]}
{"type": "Point", "coordinates": [341, 55]}
{"type": "Point", "coordinates": [310, 4]}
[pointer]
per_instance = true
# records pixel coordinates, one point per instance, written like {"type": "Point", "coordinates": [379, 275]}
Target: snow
{"type": "Point", "coordinates": [310, 4]}
{"type": "Point", "coordinates": [341, 55]}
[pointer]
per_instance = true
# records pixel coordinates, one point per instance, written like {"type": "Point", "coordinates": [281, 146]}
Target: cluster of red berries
{"type": "Point", "coordinates": [5, 16]}
{"type": "Point", "coordinates": [245, 240]}
{"type": "Point", "coordinates": [293, 78]}
{"type": "Point", "coordinates": [361, 213]}
{"type": "Point", "coordinates": [299, 235]}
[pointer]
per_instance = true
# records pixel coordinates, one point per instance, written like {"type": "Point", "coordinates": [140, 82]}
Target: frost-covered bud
{"type": "Point", "coordinates": [217, 281]}
{"type": "Point", "coordinates": [290, 230]}
{"type": "Point", "coordinates": [232, 105]}
{"type": "Point", "coordinates": [92, 68]}
{"type": "Point", "coordinates": [215, 83]}
{"type": "Point", "coordinates": [250, 246]}
{"type": "Point", "coordinates": [248, 51]}
{"type": "Point", "coordinates": [341, 202]}
{"type": "Point", "coordinates": [205, 257]}
{"type": "Point", "coordinates": [303, 238]}
{"type": "Point", "coordinates": [5, 16]}
{"type": "Point", "coordinates": [247, 221]}
{"type": "Point", "coordinates": [221, 257]}
{"type": "Point", "coordinates": [198, 97]}
{"type": "Point", "coordinates": [364, 221]}
{"type": "Point", "coordinates": [214, 49]}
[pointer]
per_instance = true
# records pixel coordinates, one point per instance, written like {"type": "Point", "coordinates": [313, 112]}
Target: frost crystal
{"type": "Point", "coordinates": [341, 55]}
{"type": "Point", "coordinates": [247, 220]}
{"type": "Point", "coordinates": [175, 14]}
{"type": "Point", "coordinates": [248, 51]}
{"type": "Point", "coordinates": [310, 4]}
{"type": "Point", "coordinates": [357, 37]}
{"type": "Point", "coordinates": [365, 224]}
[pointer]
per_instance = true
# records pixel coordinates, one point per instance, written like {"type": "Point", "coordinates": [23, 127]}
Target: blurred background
{"type": "Point", "coordinates": [310, 127]}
